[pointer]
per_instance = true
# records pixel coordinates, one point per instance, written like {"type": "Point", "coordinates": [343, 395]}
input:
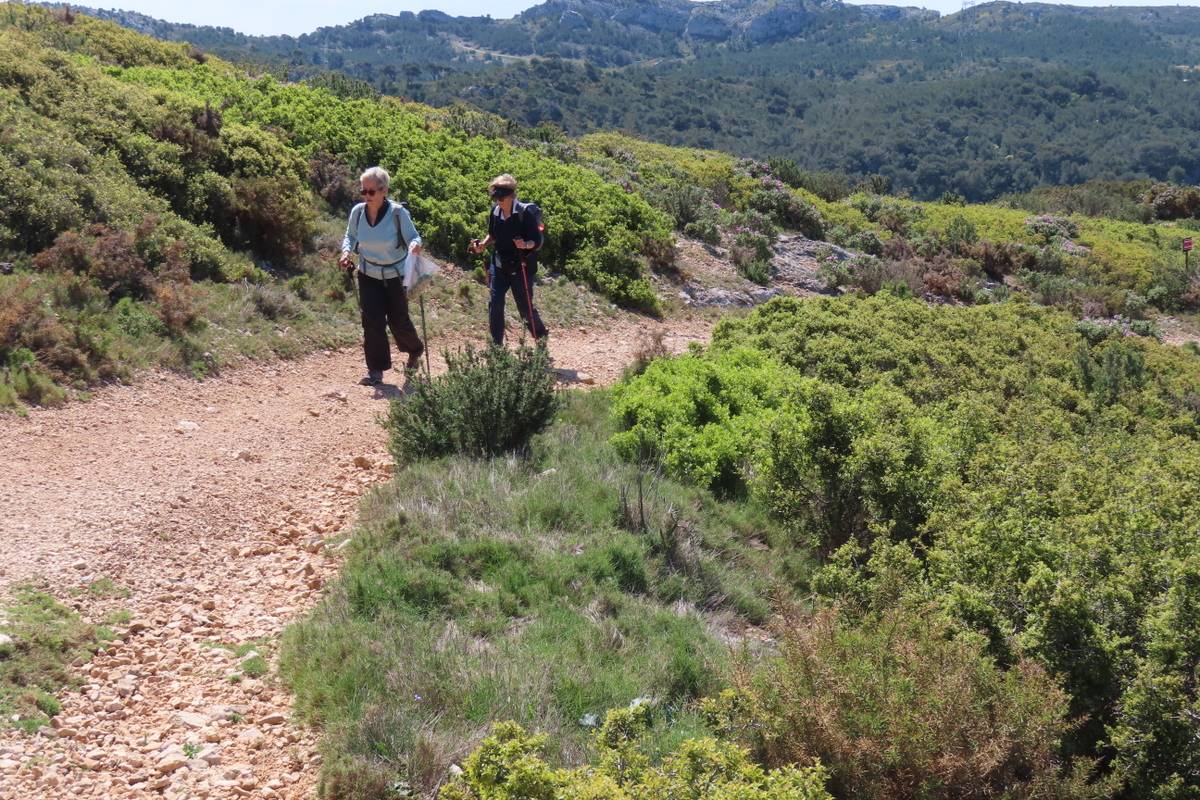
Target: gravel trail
{"type": "Point", "coordinates": [212, 512]}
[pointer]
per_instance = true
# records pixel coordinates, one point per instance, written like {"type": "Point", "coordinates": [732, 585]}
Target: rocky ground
{"type": "Point", "coordinates": [709, 279]}
{"type": "Point", "coordinates": [213, 513]}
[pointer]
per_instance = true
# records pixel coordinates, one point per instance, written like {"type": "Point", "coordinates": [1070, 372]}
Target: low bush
{"type": "Point", "coordinates": [756, 272]}
{"type": "Point", "coordinates": [829, 186]}
{"type": "Point", "coordinates": [276, 221]}
{"type": "Point", "coordinates": [509, 765]}
{"type": "Point", "coordinates": [903, 707]}
{"type": "Point", "coordinates": [1173, 202]}
{"type": "Point", "coordinates": [275, 302]}
{"type": "Point", "coordinates": [333, 180]}
{"type": "Point", "coordinates": [698, 415]}
{"type": "Point", "coordinates": [866, 242]}
{"type": "Point", "coordinates": [108, 257]}
{"type": "Point", "coordinates": [488, 402]}
{"type": "Point", "coordinates": [1018, 459]}
{"type": "Point", "coordinates": [961, 236]}
{"type": "Point", "coordinates": [788, 210]}
{"type": "Point", "coordinates": [1050, 229]}
{"type": "Point", "coordinates": [683, 202]}
{"type": "Point", "coordinates": [748, 247]}
{"type": "Point", "coordinates": [705, 229]}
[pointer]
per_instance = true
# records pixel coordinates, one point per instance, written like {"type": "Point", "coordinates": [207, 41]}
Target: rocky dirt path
{"type": "Point", "coordinates": [213, 512]}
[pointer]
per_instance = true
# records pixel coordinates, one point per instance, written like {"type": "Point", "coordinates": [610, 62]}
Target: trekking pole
{"type": "Point", "coordinates": [425, 336]}
{"type": "Point", "coordinates": [528, 301]}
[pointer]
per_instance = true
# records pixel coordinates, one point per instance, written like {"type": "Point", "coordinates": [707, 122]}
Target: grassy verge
{"type": "Point", "coordinates": [42, 640]}
{"type": "Point", "coordinates": [484, 590]}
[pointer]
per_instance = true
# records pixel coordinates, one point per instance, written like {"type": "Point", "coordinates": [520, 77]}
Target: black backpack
{"type": "Point", "coordinates": [532, 211]}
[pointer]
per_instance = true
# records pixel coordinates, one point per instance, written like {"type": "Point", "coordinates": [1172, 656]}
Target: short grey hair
{"type": "Point", "coordinates": [377, 175]}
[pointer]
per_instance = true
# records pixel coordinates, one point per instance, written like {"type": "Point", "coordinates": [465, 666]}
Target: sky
{"type": "Point", "coordinates": [303, 16]}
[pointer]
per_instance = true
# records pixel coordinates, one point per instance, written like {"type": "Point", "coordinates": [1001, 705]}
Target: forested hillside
{"type": "Point", "coordinates": [999, 98]}
{"type": "Point", "coordinates": [161, 208]}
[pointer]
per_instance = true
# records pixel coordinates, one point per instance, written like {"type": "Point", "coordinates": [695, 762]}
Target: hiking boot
{"type": "Point", "coordinates": [372, 378]}
{"type": "Point", "coordinates": [413, 364]}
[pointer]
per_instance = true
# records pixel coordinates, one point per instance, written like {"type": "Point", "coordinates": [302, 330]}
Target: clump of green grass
{"type": "Point", "coordinates": [251, 662]}
{"type": "Point", "coordinates": [104, 588]}
{"type": "Point", "coordinates": [516, 588]}
{"type": "Point", "coordinates": [47, 638]}
{"type": "Point", "coordinates": [255, 667]}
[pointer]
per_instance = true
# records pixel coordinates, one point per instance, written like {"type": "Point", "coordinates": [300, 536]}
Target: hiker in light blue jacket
{"type": "Point", "coordinates": [382, 233]}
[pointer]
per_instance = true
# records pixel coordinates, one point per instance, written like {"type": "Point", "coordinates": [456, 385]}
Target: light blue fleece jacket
{"type": "Point", "coordinates": [380, 255]}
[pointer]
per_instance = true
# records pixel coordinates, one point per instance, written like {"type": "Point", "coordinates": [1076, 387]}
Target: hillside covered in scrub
{"type": "Point", "coordinates": [909, 550]}
{"type": "Point", "coordinates": [163, 208]}
{"type": "Point", "coordinates": [1001, 97]}
{"type": "Point", "coordinates": [929, 536]}
{"type": "Point", "coordinates": [158, 207]}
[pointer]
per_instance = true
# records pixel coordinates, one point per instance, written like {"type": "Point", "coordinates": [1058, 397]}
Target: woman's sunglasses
{"type": "Point", "coordinates": [500, 194]}
{"type": "Point", "coordinates": [371, 192]}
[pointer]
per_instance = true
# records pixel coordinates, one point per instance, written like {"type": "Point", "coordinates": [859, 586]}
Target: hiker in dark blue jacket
{"type": "Point", "coordinates": [515, 230]}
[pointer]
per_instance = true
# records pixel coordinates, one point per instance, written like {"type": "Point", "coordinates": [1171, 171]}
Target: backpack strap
{"type": "Point", "coordinates": [400, 243]}
{"type": "Point", "coordinates": [355, 219]}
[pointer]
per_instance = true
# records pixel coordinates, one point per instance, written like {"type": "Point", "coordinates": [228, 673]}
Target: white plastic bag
{"type": "Point", "coordinates": [419, 274]}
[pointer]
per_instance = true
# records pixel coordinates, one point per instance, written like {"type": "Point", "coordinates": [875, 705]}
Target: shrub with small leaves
{"type": "Point", "coordinates": [749, 246]}
{"type": "Point", "coordinates": [901, 707]}
{"type": "Point", "coordinates": [704, 229]}
{"type": "Point", "coordinates": [488, 402]}
{"type": "Point", "coordinates": [1050, 228]}
{"type": "Point", "coordinates": [508, 765]}
{"type": "Point", "coordinates": [756, 272]}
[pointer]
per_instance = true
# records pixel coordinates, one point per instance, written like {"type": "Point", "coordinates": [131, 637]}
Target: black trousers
{"type": "Point", "coordinates": [385, 305]}
{"type": "Point", "coordinates": [521, 284]}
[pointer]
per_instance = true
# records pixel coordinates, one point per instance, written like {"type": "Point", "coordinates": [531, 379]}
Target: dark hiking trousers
{"type": "Point", "coordinates": [502, 281]}
{"type": "Point", "coordinates": [385, 305]}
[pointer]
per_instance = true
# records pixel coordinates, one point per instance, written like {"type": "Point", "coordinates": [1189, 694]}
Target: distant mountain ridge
{"type": "Point", "coordinates": [997, 98]}
{"type": "Point", "coordinates": [575, 21]}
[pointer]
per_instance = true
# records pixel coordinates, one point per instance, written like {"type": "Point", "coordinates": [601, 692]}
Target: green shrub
{"type": "Point", "coordinates": [1025, 457]}
{"type": "Point", "coordinates": [1051, 229]}
{"type": "Point", "coordinates": [699, 415]}
{"type": "Point", "coordinates": [829, 186]}
{"type": "Point", "coordinates": [272, 218]}
{"type": "Point", "coordinates": [902, 706]}
{"type": "Point", "coordinates": [1154, 733]}
{"type": "Point", "coordinates": [275, 302]}
{"type": "Point", "coordinates": [488, 402]}
{"type": "Point", "coordinates": [787, 209]}
{"type": "Point", "coordinates": [684, 202]}
{"type": "Point", "coordinates": [851, 466]}
{"type": "Point", "coordinates": [508, 765]}
{"type": "Point", "coordinates": [704, 229]}
{"type": "Point", "coordinates": [749, 247]}
{"type": "Point", "coordinates": [1173, 202]}
{"type": "Point", "coordinates": [961, 235]}
{"type": "Point", "coordinates": [756, 271]}
{"type": "Point", "coordinates": [866, 242]}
